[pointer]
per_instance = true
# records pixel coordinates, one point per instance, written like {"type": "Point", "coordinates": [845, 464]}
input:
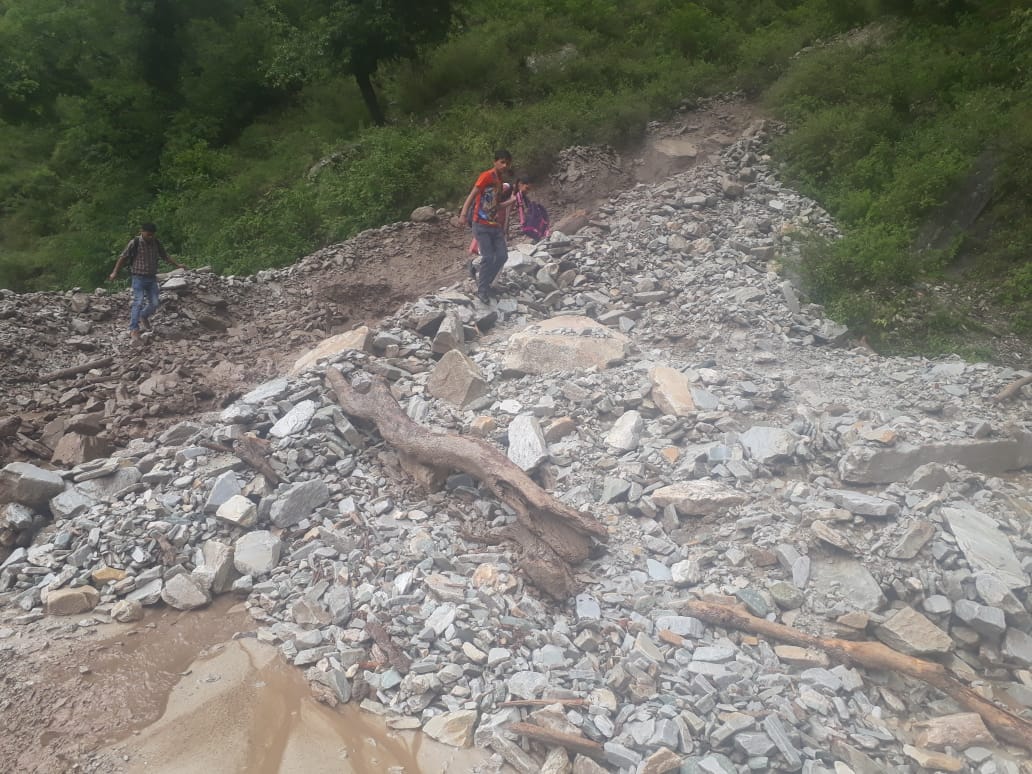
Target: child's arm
{"type": "Point", "coordinates": [466, 205]}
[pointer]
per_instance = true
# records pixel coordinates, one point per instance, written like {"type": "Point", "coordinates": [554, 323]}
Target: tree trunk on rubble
{"type": "Point", "coordinates": [552, 536]}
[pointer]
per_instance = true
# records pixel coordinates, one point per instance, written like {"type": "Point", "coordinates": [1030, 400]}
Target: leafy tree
{"type": "Point", "coordinates": [355, 37]}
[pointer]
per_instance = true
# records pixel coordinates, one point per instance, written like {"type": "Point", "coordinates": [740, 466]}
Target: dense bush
{"type": "Point", "coordinates": [229, 124]}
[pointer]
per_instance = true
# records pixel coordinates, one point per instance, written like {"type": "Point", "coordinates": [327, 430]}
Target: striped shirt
{"type": "Point", "coordinates": [147, 253]}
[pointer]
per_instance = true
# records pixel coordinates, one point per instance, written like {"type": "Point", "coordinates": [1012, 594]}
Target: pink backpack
{"type": "Point", "coordinates": [533, 218]}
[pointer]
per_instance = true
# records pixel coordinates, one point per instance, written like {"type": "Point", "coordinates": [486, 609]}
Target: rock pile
{"type": "Point", "coordinates": [75, 387]}
{"type": "Point", "coordinates": [656, 370]}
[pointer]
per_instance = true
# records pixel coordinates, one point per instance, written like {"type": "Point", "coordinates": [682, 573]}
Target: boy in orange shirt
{"type": "Point", "coordinates": [486, 200]}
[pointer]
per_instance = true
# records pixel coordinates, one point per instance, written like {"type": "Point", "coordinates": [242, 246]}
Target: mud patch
{"type": "Point", "coordinates": [245, 710]}
{"type": "Point", "coordinates": [69, 686]}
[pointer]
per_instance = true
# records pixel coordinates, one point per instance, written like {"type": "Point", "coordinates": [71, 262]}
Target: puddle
{"type": "Point", "coordinates": [136, 670]}
{"type": "Point", "coordinates": [241, 708]}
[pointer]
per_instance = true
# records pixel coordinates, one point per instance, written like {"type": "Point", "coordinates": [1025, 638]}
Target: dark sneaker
{"type": "Point", "coordinates": [484, 297]}
{"type": "Point", "coordinates": [145, 324]}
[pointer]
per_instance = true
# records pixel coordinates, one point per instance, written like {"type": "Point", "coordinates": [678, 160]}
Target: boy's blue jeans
{"type": "Point", "coordinates": [493, 254]}
{"type": "Point", "coordinates": [145, 300]}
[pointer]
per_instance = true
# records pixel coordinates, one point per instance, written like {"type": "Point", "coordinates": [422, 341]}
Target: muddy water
{"type": "Point", "coordinates": [240, 708]}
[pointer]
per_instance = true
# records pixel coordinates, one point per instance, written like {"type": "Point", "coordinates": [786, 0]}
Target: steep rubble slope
{"type": "Point", "coordinates": [654, 370]}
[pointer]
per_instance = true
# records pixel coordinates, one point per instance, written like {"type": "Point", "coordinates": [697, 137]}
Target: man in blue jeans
{"type": "Point", "coordinates": [143, 252]}
{"type": "Point", "coordinates": [486, 200]}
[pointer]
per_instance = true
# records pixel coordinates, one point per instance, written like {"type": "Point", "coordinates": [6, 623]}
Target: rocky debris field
{"type": "Point", "coordinates": [652, 369]}
{"type": "Point", "coordinates": [76, 387]}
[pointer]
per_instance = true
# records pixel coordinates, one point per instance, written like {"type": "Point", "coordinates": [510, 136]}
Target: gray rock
{"type": "Point", "coordinates": [238, 511]}
{"type": "Point", "coordinates": [257, 553]}
{"type": "Point", "coordinates": [226, 486]}
{"type": "Point", "coordinates": [449, 336]}
{"type": "Point", "coordinates": [456, 379]}
{"type": "Point", "coordinates": [626, 432]}
{"type": "Point", "coordinates": [862, 504]}
{"type": "Point", "coordinates": [527, 446]}
{"type": "Point", "coordinates": [22, 482]}
{"type": "Point", "coordinates": [698, 498]}
{"type": "Point", "coordinates": [769, 444]}
{"type": "Point", "coordinates": [295, 420]}
{"type": "Point", "coordinates": [910, 632]}
{"type": "Point", "coordinates": [564, 343]}
{"type": "Point", "coordinates": [987, 621]}
{"type": "Point", "coordinates": [984, 546]}
{"type": "Point", "coordinates": [867, 465]}
{"type": "Point", "coordinates": [850, 580]}
{"type": "Point", "coordinates": [184, 593]}
{"type": "Point", "coordinates": [297, 502]}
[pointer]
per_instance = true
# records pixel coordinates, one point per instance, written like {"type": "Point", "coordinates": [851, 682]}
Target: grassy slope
{"type": "Point", "coordinates": [883, 125]}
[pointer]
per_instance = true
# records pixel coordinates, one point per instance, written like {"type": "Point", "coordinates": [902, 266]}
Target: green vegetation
{"type": "Point", "coordinates": [253, 131]}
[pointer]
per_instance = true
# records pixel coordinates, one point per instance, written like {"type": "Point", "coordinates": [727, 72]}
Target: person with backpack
{"type": "Point", "coordinates": [534, 220]}
{"type": "Point", "coordinates": [485, 199]}
{"type": "Point", "coordinates": [143, 253]}
{"type": "Point", "coordinates": [503, 221]}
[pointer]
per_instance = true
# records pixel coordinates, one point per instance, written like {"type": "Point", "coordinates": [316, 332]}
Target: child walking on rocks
{"type": "Point", "coordinates": [488, 227]}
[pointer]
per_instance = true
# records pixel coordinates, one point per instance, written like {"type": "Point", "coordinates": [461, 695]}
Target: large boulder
{"type": "Point", "coordinates": [565, 343]}
{"type": "Point", "coordinates": [357, 339]}
{"type": "Point", "coordinates": [456, 379]}
{"type": "Point", "coordinates": [22, 482]}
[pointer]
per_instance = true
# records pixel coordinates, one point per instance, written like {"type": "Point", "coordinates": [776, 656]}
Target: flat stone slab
{"type": "Point", "coordinates": [698, 498]}
{"type": "Point", "coordinates": [565, 343]}
{"type": "Point", "coordinates": [869, 465]}
{"type": "Point", "coordinates": [848, 579]}
{"type": "Point", "coordinates": [910, 632]}
{"type": "Point", "coordinates": [984, 546]}
{"type": "Point", "coordinates": [357, 339]}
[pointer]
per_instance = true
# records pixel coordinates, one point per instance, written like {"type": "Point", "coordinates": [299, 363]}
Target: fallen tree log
{"type": "Point", "coordinates": [873, 655]}
{"type": "Point", "coordinates": [572, 742]}
{"type": "Point", "coordinates": [552, 535]}
{"type": "Point", "coordinates": [75, 370]}
{"type": "Point", "coordinates": [1012, 389]}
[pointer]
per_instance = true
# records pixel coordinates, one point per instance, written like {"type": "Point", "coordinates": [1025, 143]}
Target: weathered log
{"type": "Point", "coordinates": [544, 703]}
{"type": "Point", "coordinates": [395, 655]}
{"type": "Point", "coordinates": [553, 536]}
{"type": "Point", "coordinates": [251, 450]}
{"type": "Point", "coordinates": [9, 425]}
{"type": "Point", "coordinates": [873, 655]}
{"type": "Point", "coordinates": [30, 446]}
{"type": "Point", "coordinates": [82, 368]}
{"type": "Point", "coordinates": [1012, 389]}
{"type": "Point", "coordinates": [574, 742]}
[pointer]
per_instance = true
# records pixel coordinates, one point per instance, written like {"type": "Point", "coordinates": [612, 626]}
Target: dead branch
{"type": "Point", "coordinates": [29, 446]}
{"type": "Point", "coordinates": [1012, 389]}
{"type": "Point", "coordinates": [553, 535]}
{"type": "Point", "coordinates": [251, 450]}
{"type": "Point", "coordinates": [873, 655]}
{"type": "Point", "coordinates": [544, 703]}
{"type": "Point", "coordinates": [395, 655]}
{"type": "Point", "coordinates": [64, 373]}
{"type": "Point", "coordinates": [574, 742]}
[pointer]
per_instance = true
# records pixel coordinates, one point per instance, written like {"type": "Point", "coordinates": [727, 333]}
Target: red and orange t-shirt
{"type": "Point", "coordinates": [489, 193]}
